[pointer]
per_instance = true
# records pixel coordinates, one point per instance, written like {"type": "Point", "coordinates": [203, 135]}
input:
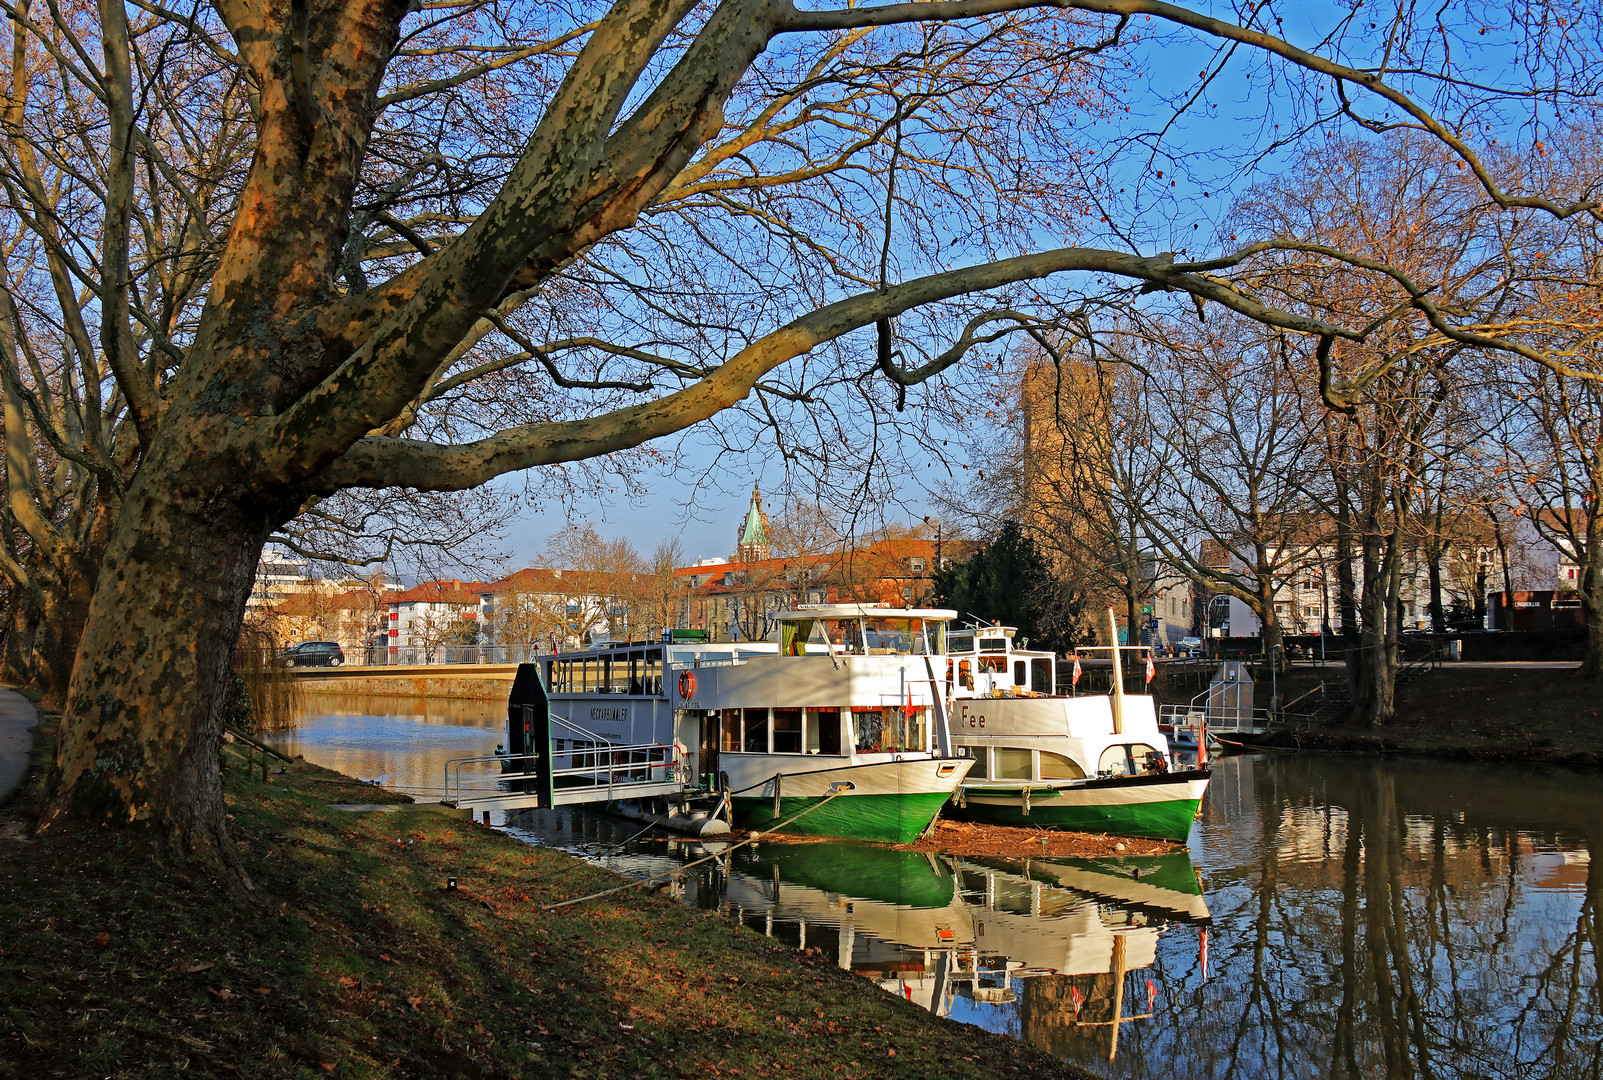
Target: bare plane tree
{"type": "Point", "coordinates": [258, 255]}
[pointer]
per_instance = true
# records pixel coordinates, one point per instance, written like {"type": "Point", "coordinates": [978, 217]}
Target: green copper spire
{"type": "Point", "coordinates": [753, 532]}
{"type": "Point", "coordinates": [752, 543]}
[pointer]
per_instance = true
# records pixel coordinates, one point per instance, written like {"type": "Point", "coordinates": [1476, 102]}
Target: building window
{"type": "Point", "coordinates": [917, 565]}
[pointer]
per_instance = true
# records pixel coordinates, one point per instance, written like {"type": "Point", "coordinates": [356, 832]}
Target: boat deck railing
{"type": "Point", "coordinates": [599, 774]}
{"type": "Point", "coordinates": [1229, 722]}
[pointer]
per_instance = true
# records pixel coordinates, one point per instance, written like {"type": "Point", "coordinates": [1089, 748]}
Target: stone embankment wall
{"type": "Point", "coordinates": [477, 682]}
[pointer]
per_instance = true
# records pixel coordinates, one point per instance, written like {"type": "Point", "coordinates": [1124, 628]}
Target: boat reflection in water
{"type": "Point", "coordinates": [1057, 951]}
{"type": "Point", "coordinates": [1054, 946]}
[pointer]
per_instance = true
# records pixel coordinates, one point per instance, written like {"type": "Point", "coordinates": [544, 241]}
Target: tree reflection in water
{"type": "Point", "coordinates": [1369, 919]}
{"type": "Point", "coordinates": [1389, 919]}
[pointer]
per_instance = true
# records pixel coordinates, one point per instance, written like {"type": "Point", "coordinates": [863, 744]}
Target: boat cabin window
{"type": "Point", "coordinates": [993, 644]}
{"type": "Point", "coordinates": [960, 641]}
{"type": "Point", "coordinates": [992, 674]}
{"type": "Point", "coordinates": [1012, 764]}
{"type": "Point", "coordinates": [1126, 759]}
{"type": "Point", "coordinates": [890, 729]}
{"type": "Point", "coordinates": [1058, 767]}
{"type": "Point", "coordinates": [888, 642]}
{"type": "Point", "coordinates": [870, 729]}
{"type": "Point", "coordinates": [756, 730]}
{"type": "Point", "coordinates": [1021, 673]}
{"type": "Point", "coordinates": [823, 732]}
{"type": "Point", "coordinates": [654, 672]}
{"type": "Point", "coordinates": [1041, 675]}
{"type": "Point", "coordinates": [787, 731]}
{"type": "Point", "coordinates": [796, 635]}
{"type": "Point", "coordinates": [965, 674]}
{"type": "Point", "coordinates": [908, 728]}
{"type": "Point", "coordinates": [730, 727]}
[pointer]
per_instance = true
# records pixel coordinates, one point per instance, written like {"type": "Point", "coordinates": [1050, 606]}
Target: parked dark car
{"type": "Point", "coordinates": [314, 654]}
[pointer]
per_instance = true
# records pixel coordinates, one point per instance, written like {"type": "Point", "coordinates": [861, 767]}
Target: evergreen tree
{"type": "Point", "coordinates": [1009, 581]}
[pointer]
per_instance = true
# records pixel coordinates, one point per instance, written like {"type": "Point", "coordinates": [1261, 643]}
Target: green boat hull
{"type": "Point", "coordinates": [1157, 821]}
{"type": "Point", "coordinates": [896, 818]}
{"type": "Point", "coordinates": [860, 871]}
{"type": "Point", "coordinates": [1158, 808]}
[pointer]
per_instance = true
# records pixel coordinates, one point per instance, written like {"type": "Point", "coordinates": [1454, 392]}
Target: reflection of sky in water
{"type": "Point", "coordinates": [1369, 918]}
{"type": "Point", "coordinates": [403, 743]}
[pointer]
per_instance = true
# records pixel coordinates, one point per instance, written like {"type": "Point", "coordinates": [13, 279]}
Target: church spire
{"type": "Point", "coordinates": [751, 543]}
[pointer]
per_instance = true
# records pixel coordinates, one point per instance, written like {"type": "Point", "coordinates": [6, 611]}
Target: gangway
{"type": "Point", "coordinates": [604, 773]}
{"type": "Point", "coordinates": [596, 770]}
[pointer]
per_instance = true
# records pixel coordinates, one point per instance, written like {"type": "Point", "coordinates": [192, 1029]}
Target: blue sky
{"type": "Point", "coordinates": [1168, 198]}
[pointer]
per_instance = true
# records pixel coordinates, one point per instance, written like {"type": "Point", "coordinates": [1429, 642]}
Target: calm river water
{"type": "Point", "coordinates": [1334, 917]}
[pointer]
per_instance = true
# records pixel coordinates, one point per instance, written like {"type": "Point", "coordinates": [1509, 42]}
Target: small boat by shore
{"type": "Point", "coordinates": [1095, 763]}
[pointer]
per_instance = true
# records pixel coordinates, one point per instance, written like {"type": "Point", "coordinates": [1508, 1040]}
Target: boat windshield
{"type": "Point", "coordinates": [886, 637]}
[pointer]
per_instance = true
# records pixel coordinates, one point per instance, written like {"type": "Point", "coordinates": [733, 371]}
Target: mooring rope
{"type": "Point", "coordinates": [605, 852]}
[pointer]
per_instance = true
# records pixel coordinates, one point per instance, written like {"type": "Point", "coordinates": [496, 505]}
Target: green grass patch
{"type": "Point", "coordinates": [350, 958]}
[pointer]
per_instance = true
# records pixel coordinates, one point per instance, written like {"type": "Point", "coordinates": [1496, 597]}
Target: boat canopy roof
{"type": "Point", "coordinates": [863, 611]}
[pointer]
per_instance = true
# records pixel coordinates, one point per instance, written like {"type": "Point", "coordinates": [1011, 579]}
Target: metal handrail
{"type": "Point", "coordinates": [586, 732]}
{"type": "Point", "coordinates": [670, 760]}
{"type": "Point", "coordinates": [1320, 689]}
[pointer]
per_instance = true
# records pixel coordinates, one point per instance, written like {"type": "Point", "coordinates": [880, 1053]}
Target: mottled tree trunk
{"type": "Point", "coordinates": [46, 622]}
{"type": "Point", "coordinates": [1272, 633]}
{"type": "Point", "coordinates": [1372, 666]}
{"type": "Point", "coordinates": [1592, 610]}
{"type": "Point", "coordinates": [15, 669]}
{"type": "Point", "coordinates": [139, 737]}
{"type": "Point", "coordinates": [55, 644]}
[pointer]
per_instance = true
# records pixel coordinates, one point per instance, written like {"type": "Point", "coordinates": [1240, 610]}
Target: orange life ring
{"type": "Point", "coordinates": [687, 684]}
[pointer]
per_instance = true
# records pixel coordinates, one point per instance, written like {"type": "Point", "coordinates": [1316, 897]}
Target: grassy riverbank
{"type": "Point", "coordinates": [352, 959]}
{"type": "Point", "coordinates": [1475, 714]}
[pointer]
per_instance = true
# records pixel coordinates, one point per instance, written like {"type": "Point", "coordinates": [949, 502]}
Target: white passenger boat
{"type": "Point", "coordinates": [1094, 762]}
{"type": "Point", "coordinates": [836, 725]}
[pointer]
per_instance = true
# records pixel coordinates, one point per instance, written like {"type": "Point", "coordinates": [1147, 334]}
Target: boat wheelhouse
{"type": "Point", "coordinates": [833, 730]}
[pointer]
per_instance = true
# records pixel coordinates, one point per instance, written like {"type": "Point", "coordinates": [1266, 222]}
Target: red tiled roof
{"type": "Point", "coordinates": [313, 603]}
{"type": "Point", "coordinates": [439, 592]}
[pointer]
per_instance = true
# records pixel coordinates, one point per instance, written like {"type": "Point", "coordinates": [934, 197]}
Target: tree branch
{"type": "Point", "coordinates": [376, 462]}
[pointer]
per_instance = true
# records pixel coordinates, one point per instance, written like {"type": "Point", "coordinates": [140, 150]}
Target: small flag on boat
{"type": "Point", "coordinates": [1075, 681]}
{"type": "Point", "coordinates": [908, 709]}
{"type": "Point", "coordinates": [1152, 670]}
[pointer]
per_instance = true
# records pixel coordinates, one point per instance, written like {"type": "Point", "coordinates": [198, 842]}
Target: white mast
{"type": "Point", "coordinates": [1118, 675]}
